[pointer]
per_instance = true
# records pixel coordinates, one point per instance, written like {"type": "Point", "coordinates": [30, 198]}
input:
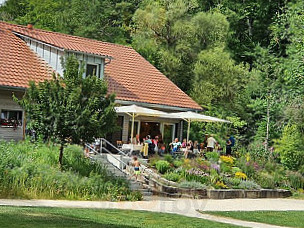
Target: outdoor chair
{"type": "Point", "coordinates": [119, 144]}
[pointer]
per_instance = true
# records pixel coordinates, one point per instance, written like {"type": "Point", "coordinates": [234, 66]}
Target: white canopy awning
{"type": "Point", "coordinates": [138, 111]}
{"type": "Point", "coordinates": [134, 111]}
{"type": "Point", "coordinates": [194, 117]}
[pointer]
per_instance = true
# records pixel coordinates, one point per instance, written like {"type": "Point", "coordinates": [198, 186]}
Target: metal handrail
{"type": "Point", "coordinates": [111, 154]}
{"type": "Point", "coordinates": [114, 147]}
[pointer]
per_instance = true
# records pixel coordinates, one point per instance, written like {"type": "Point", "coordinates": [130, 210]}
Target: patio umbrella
{"type": "Point", "coordinates": [134, 111]}
{"type": "Point", "coordinates": [192, 116]}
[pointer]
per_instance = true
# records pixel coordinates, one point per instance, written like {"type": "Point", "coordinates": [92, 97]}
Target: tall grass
{"type": "Point", "coordinates": [31, 171]}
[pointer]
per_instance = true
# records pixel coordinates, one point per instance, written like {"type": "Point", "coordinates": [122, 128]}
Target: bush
{"type": "Point", "coordinates": [295, 180]}
{"type": "Point", "coordinates": [162, 166]}
{"type": "Point", "coordinates": [248, 185]}
{"type": "Point", "coordinates": [232, 182]}
{"type": "Point", "coordinates": [192, 185]}
{"type": "Point", "coordinates": [212, 156]}
{"type": "Point", "coordinates": [177, 163]}
{"type": "Point", "coordinates": [173, 177]}
{"type": "Point", "coordinates": [32, 171]}
{"type": "Point", "coordinates": [153, 160]}
{"type": "Point", "coordinates": [168, 158]}
{"type": "Point", "coordinates": [291, 147]}
{"type": "Point", "coordinates": [266, 180]}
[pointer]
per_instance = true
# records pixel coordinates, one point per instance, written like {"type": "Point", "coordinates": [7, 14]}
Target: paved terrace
{"type": "Point", "coordinates": [187, 207]}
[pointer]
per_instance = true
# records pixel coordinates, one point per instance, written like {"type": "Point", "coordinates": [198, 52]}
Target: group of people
{"type": "Point", "coordinates": [208, 145]}
{"type": "Point", "coordinates": [157, 145]}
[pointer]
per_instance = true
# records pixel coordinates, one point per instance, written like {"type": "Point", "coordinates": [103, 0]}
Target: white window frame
{"type": "Point", "coordinates": [163, 129]}
{"type": "Point", "coordinates": [97, 69]}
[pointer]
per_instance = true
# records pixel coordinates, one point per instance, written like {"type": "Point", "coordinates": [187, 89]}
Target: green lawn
{"type": "Point", "coordinates": [65, 217]}
{"type": "Point", "coordinates": [282, 218]}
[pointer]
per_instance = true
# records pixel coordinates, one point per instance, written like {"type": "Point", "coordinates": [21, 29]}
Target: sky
{"type": "Point", "coordinates": [1, 1]}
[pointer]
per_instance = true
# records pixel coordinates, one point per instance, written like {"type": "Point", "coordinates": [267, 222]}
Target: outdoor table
{"type": "Point", "coordinates": [131, 147]}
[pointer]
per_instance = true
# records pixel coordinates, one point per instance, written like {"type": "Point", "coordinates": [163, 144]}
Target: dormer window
{"type": "Point", "coordinates": [92, 69]}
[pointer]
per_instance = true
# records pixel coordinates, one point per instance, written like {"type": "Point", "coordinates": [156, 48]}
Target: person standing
{"type": "Point", "coordinates": [229, 144]}
{"type": "Point", "coordinates": [155, 141]}
{"type": "Point", "coordinates": [211, 143]}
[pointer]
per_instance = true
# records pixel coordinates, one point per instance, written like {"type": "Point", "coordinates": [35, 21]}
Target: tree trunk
{"type": "Point", "coordinates": [61, 154]}
{"type": "Point", "coordinates": [267, 125]}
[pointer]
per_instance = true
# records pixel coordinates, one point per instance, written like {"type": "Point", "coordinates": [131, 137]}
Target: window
{"type": "Point", "coordinates": [11, 118]}
{"type": "Point", "coordinates": [91, 70]}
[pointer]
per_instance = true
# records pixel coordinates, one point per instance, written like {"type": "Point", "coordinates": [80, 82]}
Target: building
{"type": "Point", "coordinates": [29, 54]}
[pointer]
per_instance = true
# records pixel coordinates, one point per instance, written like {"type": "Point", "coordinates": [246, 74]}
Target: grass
{"type": "Point", "coordinates": [31, 171]}
{"type": "Point", "coordinates": [66, 217]}
{"type": "Point", "coordinates": [281, 218]}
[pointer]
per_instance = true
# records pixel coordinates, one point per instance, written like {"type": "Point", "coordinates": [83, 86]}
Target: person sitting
{"type": "Point", "coordinates": [184, 143]}
{"type": "Point", "coordinates": [188, 149]}
{"type": "Point", "coordinates": [175, 145]}
{"type": "Point", "coordinates": [162, 148]}
{"type": "Point", "coordinates": [196, 147]}
{"type": "Point", "coordinates": [136, 140]}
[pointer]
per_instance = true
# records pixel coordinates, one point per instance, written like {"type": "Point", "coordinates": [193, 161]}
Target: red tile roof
{"type": "Point", "coordinates": [18, 64]}
{"type": "Point", "coordinates": [129, 75]}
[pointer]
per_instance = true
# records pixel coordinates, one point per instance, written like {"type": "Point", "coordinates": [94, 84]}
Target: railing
{"type": "Point", "coordinates": [112, 146]}
{"type": "Point", "coordinates": [110, 153]}
{"type": "Point", "coordinates": [129, 169]}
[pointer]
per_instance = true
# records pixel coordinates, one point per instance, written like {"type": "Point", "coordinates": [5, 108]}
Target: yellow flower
{"type": "Point", "coordinates": [220, 184]}
{"type": "Point", "coordinates": [227, 159]}
{"type": "Point", "coordinates": [241, 175]}
{"type": "Point", "coordinates": [247, 157]}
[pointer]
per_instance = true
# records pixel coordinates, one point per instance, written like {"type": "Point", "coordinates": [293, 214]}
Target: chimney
{"type": "Point", "coordinates": [30, 26]}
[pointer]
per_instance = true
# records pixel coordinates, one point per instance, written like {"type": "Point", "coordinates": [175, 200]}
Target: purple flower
{"type": "Point", "coordinates": [215, 166]}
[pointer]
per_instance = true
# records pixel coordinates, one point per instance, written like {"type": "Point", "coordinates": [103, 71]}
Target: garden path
{"type": "Point", "coordinates": [187, 207]}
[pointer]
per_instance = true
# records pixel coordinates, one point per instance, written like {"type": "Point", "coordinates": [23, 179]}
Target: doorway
{"type": "Point", "coordinates": [149, 128]}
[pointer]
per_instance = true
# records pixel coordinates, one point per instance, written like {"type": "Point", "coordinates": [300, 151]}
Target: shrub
{"type": "Point", "coordinates": [212, 156]}
{"type": "Point", "coordinates": [248, 185]}
{"type": "Point", "coordinates": [266, 180]}
{"type": "Point", "coordinates": [162, 166]}
{"type": "Point", "coordinates": [177, 163]}
{"type": "Point", "coordinates": [197, 175]}
{"type": "Point", "coordinates": [232, 182]}
{"type": "Point", "coordinates": [235, 169]}
{"type": "Point", "coordinates": [192, 185]}
{"type": "Point", "coordinates": [173, 177]}
{"type": "Point", "coordinates": [291, 147]}
{"type": "Point", "coordinates": [295, 179]}
{"type": "Point", "coordinates": [168, 158]}
{"type": "Point", "coordinates": [153, 160]}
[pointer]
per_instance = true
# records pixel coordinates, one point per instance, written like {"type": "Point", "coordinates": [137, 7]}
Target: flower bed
{"type": "Point", "coordinates": [225, 172]}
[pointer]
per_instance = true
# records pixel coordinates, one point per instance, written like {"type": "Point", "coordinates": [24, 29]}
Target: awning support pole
{"type": "Point", "coordinates": [188, 132]}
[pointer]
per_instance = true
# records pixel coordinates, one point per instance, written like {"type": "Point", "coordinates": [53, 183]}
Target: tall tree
{"type": "Point", "coordinates": [171, 35]}
{"type": "Point", "coordinates": [71, 109]}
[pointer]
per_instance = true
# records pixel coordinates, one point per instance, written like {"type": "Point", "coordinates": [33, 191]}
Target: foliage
{"type": "Point", "coordinates": [168, 158]}
{"type": "Point", "coordinates": [212, 156]}
{"type": "Point", "coordinates": [295, 180]}
{"type": "Point", "coordinates": [291, 147]}
{"type": "Point", "coordinates": [229, 160]}
{"type": "Point", "coordinates": [192, 185]}
{"type": "Point", "coordinates": [172, 176]}
{"type": "Point", "coordinates": [240, 175]}
{"type": "Point", "coordinates": [177, 163]}
{"type": "Point", "coordinates": [162, 166]}
{"type": "Point", "coordinates": [266, 180]}
{"type": "Point", "coordinates": [248, 185]}
{"type": "Point", "coordinates": [220, 185]}
{"type": "Point", "coordinates": [31, 171]}
{"type": "Point", "coordinates": [153, 160]}
{"type": "Point", "coordinates": [71, 109]}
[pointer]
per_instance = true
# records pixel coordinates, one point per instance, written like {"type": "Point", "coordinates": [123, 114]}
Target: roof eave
{"type": "Point", "coordinates": [157, 106]}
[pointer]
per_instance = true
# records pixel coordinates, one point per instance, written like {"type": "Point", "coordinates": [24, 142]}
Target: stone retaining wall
{"type": "Point", "coordinates": [163, 187]}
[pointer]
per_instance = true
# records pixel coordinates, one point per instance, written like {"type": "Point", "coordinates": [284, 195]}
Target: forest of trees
{"type": "Point", "coordinates": [240, 59]}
